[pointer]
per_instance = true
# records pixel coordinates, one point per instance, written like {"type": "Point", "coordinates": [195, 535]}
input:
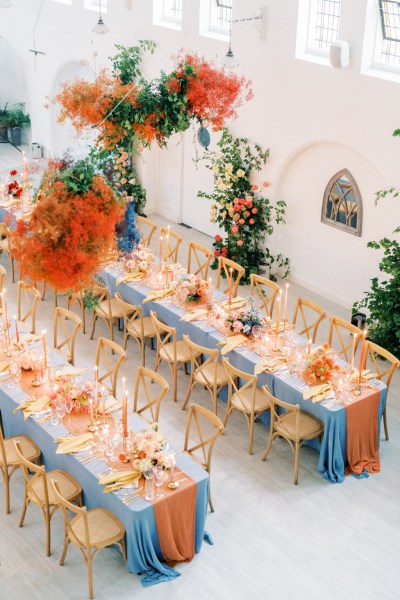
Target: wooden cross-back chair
{"type": "Point", "coordinates": [66, 326]}
{"type": "Point", "coordinates": [106, 308]}
{"type": "Point", "coordinates": [267, 292]}
{"type": "Point", "coordinates": [294, 425]}
{"type": "Point", "coordinates": [224, 266]}
{"type": "Point", "coordinates": [307, 316]}
{"type": "Point", "coordinates": [175, 352]}
{"type": "Point", "coordinates": [339, 330]}
{"type": "Point", "coordinates": [146, 229]}
{"type": "Point", "coordinates": [175, 241]}
{"type": "Point", "coordinates": [9, 461]}
{"type": "Point", "coordinates": [247, 398]}
{"type": "Point", "coordinates": [28, 298]}
{"type": "Point", "coordinates": [89, 530]}
{"type": "Point", "coordinates": [6, 246]}
{"type": "Point", "coordinates": [136, 325]}
{"type": "Point", "coordinates": [205, 370]}
{"type": "Point", "coordinates": [39, 492]}
{"type": "Point", "coordinates": [150, 389]}
{"type": "Point", "coordinates": [199, 258]}
{"type": "Point", "coordinates": [108, 364]}
{"type": "Point", "coordinates": [71, 299]}
{"type": "Point", "coordinates": [198, 444]}
{"type": "Point", "coordinates": [384, 368]}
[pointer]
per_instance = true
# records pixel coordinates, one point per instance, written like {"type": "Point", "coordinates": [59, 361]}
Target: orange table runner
{"type": "Point", "coordinates": [175, 516]}
{"type": "Point", "coordinates": [362, 434]}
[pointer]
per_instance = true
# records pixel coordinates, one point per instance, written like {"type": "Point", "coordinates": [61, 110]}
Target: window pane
{"type": "Point", "coordinates": [172, 10]}
{"type": "Point", "coordinates": [326, 23]}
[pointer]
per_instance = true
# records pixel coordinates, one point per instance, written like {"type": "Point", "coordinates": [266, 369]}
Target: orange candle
{"type": "Point", "coordinates": [96, 383]}
{"type": "Point", "coordinates": [353, 351]}
{"type": "Point", "coordinates": [43, 333]}
{"type": "Point", "coordinates": [125, 414]}
{"type": "Point", "coordinates": [360, 366]}
{"type": "Point", "coordinates": [16, 329]}
{"type": "Point", "coordinates": [309, 346]}
{"type": "Point", "coordinates": [285, 304]}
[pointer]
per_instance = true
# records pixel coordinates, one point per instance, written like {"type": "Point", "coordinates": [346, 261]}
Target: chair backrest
{"type": "Point", "coordinates": [202, 430]}
{"type": "Point", "coordinates": [224, 267]}
{"type": "Point", "coordinates": [3, 455]}
{"type": "Point", "coordinates": [267, 291]}
{"type": "Point", "coordinates": [107, 364]}
{"type": "Point", "coordinates": [199, 258]}
{"type": "Point", "coordinates": [6, 232]}
{"type": "Point", "coordinates": [174, 241]}
{"type": "Point", "coordinates": [165, 335]}
{"type": "Point", "coordinates": [130, 312]}
{"type": "Point", "coordinates": [278, 410]}
{"type": "Point", "coordinates": [384, 368]}
{"type": "Point", "coordinates": [39, 474]}
{"type": "Point", "coordinates": [102, 294]}
{"type": "Point", "coordinates": [146, 229]}
{"type": "Point", "coordinates": [66, 326]}
{"type": "Point", "coordinates": [201, 364]}
{"type": "Point", "coordinates": [66, 506]}
{"type": "Point", "coordinates": [338, 329]}
{"type": "Point", "coordinates": [28, 298]}
{"type": "Point", "coordinates": [234, 377]}
{"type": "Point", "coordinates": [3, 273]}
{"type": "Point", "coordinates": [306, 318]}
{"type": "Point", "coordinates": [150, 389]}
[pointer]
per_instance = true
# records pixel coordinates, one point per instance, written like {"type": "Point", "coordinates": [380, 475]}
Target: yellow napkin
{"type": "Point", "coordinates": [4, 366]}
{"type": "Point", "coordinates": [238, 302]}
{"type": "Point", "coordinates": [316, 391]}
{"type": "Point", "coordinates": [271, 365]}
{"type": "Point", "coordinates": [130, 277]}
{"type": "Point", "coordinates": [69, 372]}
{"type": "Point", "coordinates": [25, 404]}
{"type": "Point", "coordinates": [118, 481]}
{"type": "Point", "coordinates": [232, 342]}
{"type": "Point", "coordinates": [157, 295]}
{"type": "Point", "coordinates": [195, 315]}
{"type": "Point", "coordinates": [321, 396]}
{"type": "Point", "coordinates": [38, 405]}
{"type": "Point", "coordinates": [113, 407]}
{"type": "Point", "coordinates": [117, 476]}
{"type": "Point", "coordinates": [365, 375]}
{"type": "Point", "coordinates": [74, 444]}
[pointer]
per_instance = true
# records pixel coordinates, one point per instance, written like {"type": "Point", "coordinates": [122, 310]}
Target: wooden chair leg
{"type": "Point", "coordinates": [64, 552]}
{"type": "Point", "coordinates": [93, 326]}
{"type": "Point", "coordinates": [268, 447]}
{"type": "Point", "coordinates": [7, 486]}
{"type": "Point", "coordinates": [48, 532]}
{"type": "Point", "coordinates": [296, 463]}
{"type": "Point", "coordinates": [385, 425]}
{"type": "Point", "coordinates": [175, 383]}
{"type": "Point", "coordinates": [186, 400]}
{"type": "Point", "coordinates": [252, 419]}
{"type": "Point", "coordinates": [24, 507]}
{"type": "Point", "coordinates": [90, 575]}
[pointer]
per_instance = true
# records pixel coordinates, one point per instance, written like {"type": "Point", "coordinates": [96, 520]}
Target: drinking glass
{"type": "Point", "coordinates": [160, 477]}
{"type": "Point", "coordinates": [60, 412]}
{"type": "Point", "coordinates": [113, 443]}
{"type": "Point", "coordinates": [149, 484]}
{"type": "Point", "coordinates": [15, 371]}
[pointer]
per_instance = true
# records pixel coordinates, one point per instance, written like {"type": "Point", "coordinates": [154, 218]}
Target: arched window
{"type": "Point", "coordinates": [342, 205]}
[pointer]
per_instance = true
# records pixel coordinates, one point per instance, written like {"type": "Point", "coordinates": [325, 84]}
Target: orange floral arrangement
{"type": "Point", "coordinates": [70, 232]}
{"type": "Point", "coordinates": [320, 367]}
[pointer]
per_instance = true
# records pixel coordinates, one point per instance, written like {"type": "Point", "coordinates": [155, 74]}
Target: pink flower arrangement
{"type": "Point", "coordinates": [191, 289]}
{"type": "Point", "coordinates": [146, 450]}
{"type": "Point", "coordinates": [68, 391]}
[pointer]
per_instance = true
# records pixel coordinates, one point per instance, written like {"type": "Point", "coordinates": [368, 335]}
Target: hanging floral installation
{"type": "Point", "coordinates": [243, 212]}
{"type": "Point", "coordinates": [71, 229]}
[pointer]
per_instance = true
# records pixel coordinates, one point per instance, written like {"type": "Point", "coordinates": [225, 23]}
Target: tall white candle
{"type": "Point", "coordinates": [285, 304]}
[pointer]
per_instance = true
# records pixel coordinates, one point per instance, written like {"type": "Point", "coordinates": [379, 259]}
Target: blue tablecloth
{"type": "Point", "coordinates": [332, 450]}
{"type": "Point", "coordinates": [143, 548]}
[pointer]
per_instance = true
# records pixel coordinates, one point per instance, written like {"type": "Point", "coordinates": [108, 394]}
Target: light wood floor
{"type": "Point", "coordinates": [273, 540]}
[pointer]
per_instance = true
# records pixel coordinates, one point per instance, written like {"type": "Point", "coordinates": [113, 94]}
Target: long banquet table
{"type": "Point", "coordinates": [144, 553]}
{"type": "Point", "coordinates": [333, 448]}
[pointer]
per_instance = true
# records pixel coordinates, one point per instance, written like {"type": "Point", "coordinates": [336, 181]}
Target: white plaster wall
{"type": "Point", "coordinates": [314, 119]}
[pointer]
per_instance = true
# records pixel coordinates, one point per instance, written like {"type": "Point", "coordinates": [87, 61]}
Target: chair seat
{"type": "Point", "coordinates": [29, 449]}
{"type": "Point", "coordinates": [134, 328]}
{"type": "Point", "coordinates": [207, 375]}
{"type": "Point", "coordinates": [183, 353]}
{"type": "Point", "coordinates": [116, 311]}
{"type": "Point", "coordinates": [243, 400]}
{"type": "Point", "coordinates": [68, 486]}
{"type": "Point", "coordinates": [104, 528]}
{"type": "Point", "coordinates": [308, 427]}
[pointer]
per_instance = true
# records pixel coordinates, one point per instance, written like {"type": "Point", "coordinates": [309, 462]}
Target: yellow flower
{"type": "Point", "coordinates": [240, 173]}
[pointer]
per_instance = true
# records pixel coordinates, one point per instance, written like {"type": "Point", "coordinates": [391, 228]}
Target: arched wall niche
{"type": "Point", "coordinates": [325, 259]}
{"type": "Point", "coordinates": [63, 135]}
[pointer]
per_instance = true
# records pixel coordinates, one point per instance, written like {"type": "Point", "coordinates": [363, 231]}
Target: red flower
{"type": "Point", "coordinates": [13, 173]}
{"type": "Point", "coordinates": [218, 238]}
{"type": "Point", "coordinates": [251, 221]}
{"type": "Point", "coordinates": [254, 211]}
{"type": "Point", "coordinates": [254, 187]}
{"type": "Point", "coordinates": [217, 252]}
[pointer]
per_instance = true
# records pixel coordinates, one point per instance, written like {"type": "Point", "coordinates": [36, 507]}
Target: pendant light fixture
{"type": "Point", "coordinates": [100, 28]}
{"type": "Point", "coordinates": [230, 61]}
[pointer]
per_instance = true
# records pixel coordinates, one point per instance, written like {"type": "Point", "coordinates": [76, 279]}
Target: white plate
{"type": "Point", "coordinates": [42, 413]}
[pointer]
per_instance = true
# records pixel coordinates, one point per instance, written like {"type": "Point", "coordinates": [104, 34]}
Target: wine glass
{"type": "Point", "coordinates": [160, 477]}
{"type": "Point", "coordinates": [113, 443]}
{"type": "Point", "coordinates": [15, 370]}
{"type": "Point", "coordinates": [60, 411]}
{"type": "Point", "coordinates": [149, 484]}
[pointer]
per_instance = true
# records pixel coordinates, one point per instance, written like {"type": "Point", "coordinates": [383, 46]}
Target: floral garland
{"type": "Point", "coordinates": [240, 208]}
{"type": "Point", "coordinates": [71, 229]}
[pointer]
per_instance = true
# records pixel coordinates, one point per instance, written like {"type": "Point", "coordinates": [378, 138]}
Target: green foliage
{"type": "Point", "coordinates": [128, 59]}
{"type": "Point", "coordinates": [17, 117]}
{"type": "Point", "coordinates": [383, 299]}
{"type": "Point", "coordinates": [245, 229]}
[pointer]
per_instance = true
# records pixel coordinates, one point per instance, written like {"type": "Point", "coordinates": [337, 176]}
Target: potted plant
{"type": "Point", "coordinates": [4, 123]}
{"type": "Point", "coordinates": [17, 119]}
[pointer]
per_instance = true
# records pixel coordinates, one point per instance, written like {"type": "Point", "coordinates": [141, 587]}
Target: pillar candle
{"type": "Point", "coordinates": [16, 329]}
{"type": "Point", "coordinates": [96, 383]}
{"type": "Point", "coordinates": [309, 346]}
{"type": "Point", "coordinates": [43, 333]}
{"type": "Point", "coordinates": [278, 312]}
{"type": "Point", "coordinates": [285, 304]}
